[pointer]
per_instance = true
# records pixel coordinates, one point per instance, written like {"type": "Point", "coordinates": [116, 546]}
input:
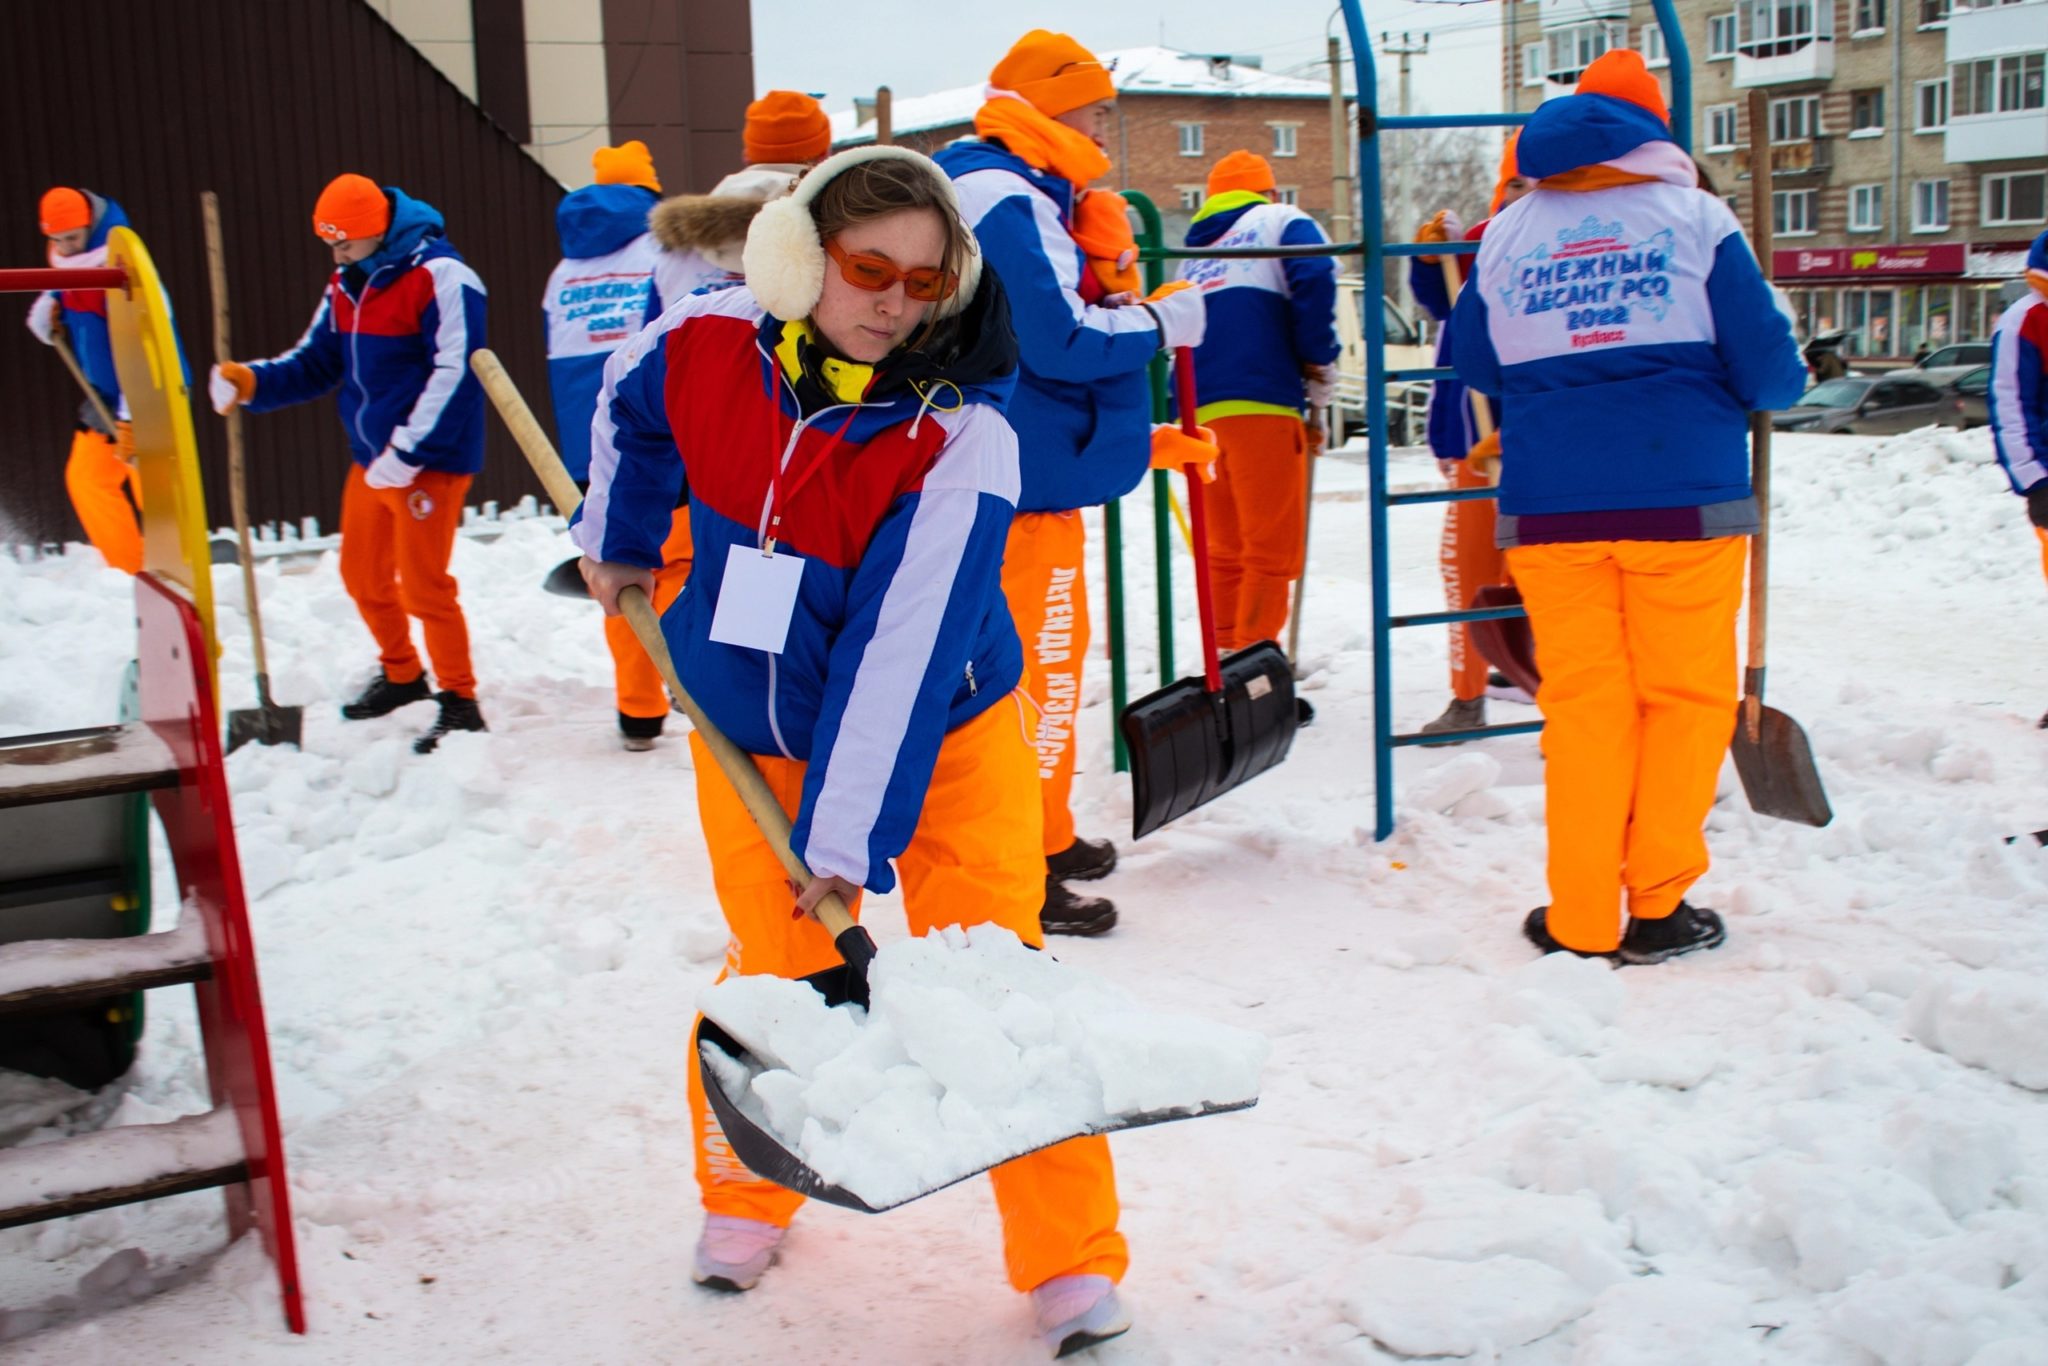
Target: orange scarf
{"type": "Point", "coordinates": [1598, 176]}
{"type": "Point", "coordinates": [1100, 226]}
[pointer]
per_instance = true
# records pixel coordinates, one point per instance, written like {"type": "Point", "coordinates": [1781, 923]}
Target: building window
{"type": "Point", "coordinates": [1652, 46]}
{"type": "Point", "coordinates": [1792, 212]}
{"type": "Point", "coordinates": [1933, 13]}
{"type": "Point", "coordinates": [1866, 112]}
{"type": "Point", "coordinates": [1720, 37]}
{"type": "Point", "coordinates": [1870, 16]}
{"type": "Point", "coordinates": [1190, 196]}
{"type": "Point", "coordinates": [1190, 139]}
{"type": "Point", "coordinates": [2021, 197]}
{"type": "Point", "coordinates": [1866, 208]}
{"type": "Point", "coordinates": [1284, 138]}
{"type": "Point", "coordinates": [1796, 119]}
{"type": "Point", "coordinates": [1776, 28]}
{"type": "Point", "coordinates": [1997, 85]}
{"type": "Point", "coordinates": [1573, 49]}
{"type": "Point", "coordinates": [1289, 194]}
{"type": "Point", "coordinates": [1721, 126]}
{"type": "Point", "coordinates": [1533, 64]}
{"type": "Point", "coordinates": [1931, 99]}
{"type": "Point", "coordinates": [1930, 206]}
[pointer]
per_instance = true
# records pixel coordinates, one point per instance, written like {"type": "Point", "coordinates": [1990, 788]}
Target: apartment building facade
{"type": "Point", "coordinates": [1908, 142]}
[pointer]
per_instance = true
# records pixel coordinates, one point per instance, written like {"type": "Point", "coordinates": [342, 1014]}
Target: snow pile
{"type": "Point", "coordinates": [974, 1049]}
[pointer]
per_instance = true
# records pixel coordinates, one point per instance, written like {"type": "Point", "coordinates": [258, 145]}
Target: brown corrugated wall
{"type": "Point", "coordinates": [150, 103]}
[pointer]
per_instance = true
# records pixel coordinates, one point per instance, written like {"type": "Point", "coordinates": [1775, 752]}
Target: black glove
{"type": "Point", "coordinates": [2037, 505]}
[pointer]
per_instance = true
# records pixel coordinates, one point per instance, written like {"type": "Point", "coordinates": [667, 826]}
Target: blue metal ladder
{"type": "Point", "coordinates": [1376, 250]}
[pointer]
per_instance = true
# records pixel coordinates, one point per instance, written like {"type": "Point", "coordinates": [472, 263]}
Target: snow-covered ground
{"type": "Point", "coordinates": [1825, 1143]}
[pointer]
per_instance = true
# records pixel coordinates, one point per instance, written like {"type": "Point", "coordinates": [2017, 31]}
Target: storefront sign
{"type": "Point", "coordinates": [1853, 263]}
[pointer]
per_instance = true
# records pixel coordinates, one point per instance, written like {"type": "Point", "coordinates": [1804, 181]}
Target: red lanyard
{"type": "Point", "coordinates": [776, 497]}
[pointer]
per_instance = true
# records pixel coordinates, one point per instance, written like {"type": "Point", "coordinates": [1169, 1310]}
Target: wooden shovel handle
{"type": "Point", "coordinates": [735, 763]}
{"type": "Point", "coordinates": [1761, 237]}
{"type": "Point", "coordinates": [92, 395]}
{"type": "Point", "coordinates": [1482, 414]}
{"type": "Point", "coordinates": [238, 481]}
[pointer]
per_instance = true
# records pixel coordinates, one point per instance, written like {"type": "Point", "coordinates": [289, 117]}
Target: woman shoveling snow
{"type": "Point", "coordinates": [838, 424]}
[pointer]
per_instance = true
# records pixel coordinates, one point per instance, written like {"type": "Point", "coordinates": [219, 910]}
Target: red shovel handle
{"type": "Point", "coordinates": [1184, 388]}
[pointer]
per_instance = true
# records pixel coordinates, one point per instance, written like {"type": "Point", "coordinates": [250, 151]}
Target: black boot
{"type": "Point", "coordinates": [1304, 714]}
{"type": "Point", "coordinates": [457, 713]}
{"type": "Point", "coordinates": [383, 697]}
{"type": "Point", "coordinates": [1082, 861]}
{"type": "Point", "coordinates": [1065, 913]}
{"type": "Point", "coordinates": [1686, 930]}
{"type": "Point", "coordinates": [1536, 929]}
{"type": "Point", "coordinates": [638, 733]}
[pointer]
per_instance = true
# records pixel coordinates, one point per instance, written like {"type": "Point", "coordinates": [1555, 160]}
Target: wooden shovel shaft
{"type": "Point", "coordinates": [735, 763]}
{"type": "Point", "coordinates": [238, 484]}
{"type": "Point", "coordinates": [1482, 415]}
{"type": "Point", "coordinates": [1760, 210]}
{"type": "Point", "coordinates": [92, 395]}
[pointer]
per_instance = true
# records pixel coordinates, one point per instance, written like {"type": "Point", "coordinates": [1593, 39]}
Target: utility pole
{"type": "Point", "coordinates": [885, 116]}
{"type": "Point", "coordinates": [1340, 149]}
{"type": "Point", "coordinates": [1404, 46]}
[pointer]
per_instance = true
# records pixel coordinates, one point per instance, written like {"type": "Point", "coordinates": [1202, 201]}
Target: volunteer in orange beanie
{"type": "Point", "coordinates": [1466, 555]}
{"type": "Point", "coordinates": [393, 333]}
{"type": "Point", "coordinates": [1625, 501]}
{"type": "Point", "coordinates": [100, 473]}
{"type": "Point", "coordinates": [1082, 407]}
{"type": "Point", "coordinates": [1269, 357]}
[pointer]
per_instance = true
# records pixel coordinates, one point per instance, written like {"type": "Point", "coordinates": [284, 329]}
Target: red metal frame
{"type": "Point", "coordinates": [177, 703]}
{"type": "Point", "coordinates": [49, 277]}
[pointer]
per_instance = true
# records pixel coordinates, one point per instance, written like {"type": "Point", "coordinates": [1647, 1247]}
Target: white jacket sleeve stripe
{"type": "Point", "coordinates": [451, 350]}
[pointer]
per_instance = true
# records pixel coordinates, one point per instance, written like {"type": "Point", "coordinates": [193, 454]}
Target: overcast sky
{"type": "Point", "coordinates": [838, 51]}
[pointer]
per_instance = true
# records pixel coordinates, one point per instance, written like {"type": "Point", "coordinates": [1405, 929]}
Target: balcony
{"type": "Point", "coordinates": [1814, 157]}
{"type": "Point", "coordinates": [1784, 63]}
{"type": "Point", "coordinates": [1997, 31]}
{"type": "Point", "coordinates": [2014, 136]}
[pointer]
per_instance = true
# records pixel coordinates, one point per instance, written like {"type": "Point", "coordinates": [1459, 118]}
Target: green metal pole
{"type": "Point", "coordinates": [1151, 241]}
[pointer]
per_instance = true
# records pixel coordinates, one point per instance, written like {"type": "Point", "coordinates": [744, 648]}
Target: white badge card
{"type": "Point", "coordinates": [757, 599]}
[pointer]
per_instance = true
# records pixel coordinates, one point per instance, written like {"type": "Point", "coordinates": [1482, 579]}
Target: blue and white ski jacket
{"type": "Point", "coordinates": [1083, 408]}
{"type": "Point", "coordinates": [2019, 381]}
{"type": "Point", "coordinates": [900, 632]}
{"type": "Point", "coordinates": [394, 333]}
{"type": "Point", "coordinates": [1452, 432]}
{"type": "Point", "coordinates": [1268, 318]}
{"type": "Point", "coordinates": [1628, 333]}
{"type": "Point", "coordinates": [84, 311]}
{"type": "Point", "coordinates": [600, 294]}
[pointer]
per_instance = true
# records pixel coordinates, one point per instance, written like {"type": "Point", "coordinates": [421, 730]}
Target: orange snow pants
{"type": "Point", "coordinates": [1470, 561]}
{"type": "Point", "coordinates": [99, 482]}
{"type": "Point", "coordinates": [1258, 515]}
{"type": "Point", "coordinates": [1636, 640]}
{"type": "Point", "coordinates": [636, 679]}
{"type": "Point", "coordinates": [2042, 532]}
{"type": "Point", "coordinates": [1047, 588]}
{"type": "Point", "coordinates": [395, 546]}
{"type": "Point", "coordinates": [975, 859]}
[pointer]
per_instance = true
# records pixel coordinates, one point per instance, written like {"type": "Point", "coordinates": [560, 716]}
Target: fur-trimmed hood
{"type": "Point", "coordinates": [715, 225]}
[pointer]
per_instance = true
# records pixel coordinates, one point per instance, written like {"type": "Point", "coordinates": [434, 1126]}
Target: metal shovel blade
{"type": "Point", "coordinates": [565, 580]}
{"type": "Point", "coordinates": [1189, 746]}
{"type": "Point", "coordinates": [1507, 643]}
{"type": "Point", "coordinates": [766, 1156]}
{"type": "Point", "coordinates": [266, 723]}
{"type": "Point", "coordinates": [1778, 773]}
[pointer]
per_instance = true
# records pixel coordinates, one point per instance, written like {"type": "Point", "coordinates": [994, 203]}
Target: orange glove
{"type": "Point", "coordinates": [124, 441]}
{"type": "Point", "coordinates": [229, 385]}
{"type": "Point", "coordinates": [1174, 449]}
{"type": "Point", "coordinates": [1484, 457]}
{"type": "Point", "coordinates": [1442, 226]}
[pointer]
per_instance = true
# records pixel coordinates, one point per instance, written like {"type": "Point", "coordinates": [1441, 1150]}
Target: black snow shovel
{"type": "Point", "coordinates": [763, 1153]}
{"type": "Point", "coordinates": [1196, 739]}
{"type": "Point", "coordinates": [1771, 751]}
{"type": "Point", "coordinates": [266, 723]}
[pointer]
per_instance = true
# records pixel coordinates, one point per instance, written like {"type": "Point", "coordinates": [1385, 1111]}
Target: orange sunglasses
{"type": "Point", "coordinates": [926, 284]}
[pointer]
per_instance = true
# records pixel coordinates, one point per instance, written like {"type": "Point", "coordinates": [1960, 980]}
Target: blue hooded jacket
{"type": "Point", "coordinates": [394, 332]}
{"type": "Point", "coordinates": [601, 293]}
{"type": "Point", "coordinates": [84, 311]}
{"type": "Point", "coordinates": [1267, 318]}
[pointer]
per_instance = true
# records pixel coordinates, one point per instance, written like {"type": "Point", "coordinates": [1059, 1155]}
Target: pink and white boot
{"type": "Point", "coordinates": [1076, 1312]}
{"type": "Point", "coordinates": [733, 1252]}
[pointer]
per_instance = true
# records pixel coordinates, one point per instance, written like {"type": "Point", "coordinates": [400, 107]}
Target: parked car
{"type": "Point", "coordinates": [1952, 362]}
{"type": "Point", "coordinates": [1868, 405]}
{"type": "Point", "coordinates": [1406, 350]}
{"type": "Point", "coordinates": [1964, 403]}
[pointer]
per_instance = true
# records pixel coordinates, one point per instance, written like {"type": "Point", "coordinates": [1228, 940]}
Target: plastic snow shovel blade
{"type": "Point", "coordinates": [1778, 773]}
{"type": "Point", "coordinates": [1189, 746]}
{"type": "Point", "coordinates": [565, 580]}
{"type": "Point", "coordinates": [769, 1158]}
{"type": "Point", "coordinates": [1507, 643]}
{"type": "Point", "coordinates": [266, 725]}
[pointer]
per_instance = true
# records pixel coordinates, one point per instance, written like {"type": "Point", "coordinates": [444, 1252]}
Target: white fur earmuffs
{"type": "Point", "coordinates": [784, 258]}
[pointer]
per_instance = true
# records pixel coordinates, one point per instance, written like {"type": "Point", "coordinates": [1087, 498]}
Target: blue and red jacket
{"type": "Point", "coordinates": [1267, 318]}
{"type": "Point", "coordinates": [1083, 410]}
{"type": "Point", "coordinates": [2018, 407]}
{"type": "Point", "coordinates": [394, 333]}
{"type": "Point", "coordinates": [1628, 332]}
{"type": "Point", "coordinates": [84, 311]}
{"type": "Point", "coordinates": [601, 292]}
{"type": "Point", "coordinates": [901, 484]}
